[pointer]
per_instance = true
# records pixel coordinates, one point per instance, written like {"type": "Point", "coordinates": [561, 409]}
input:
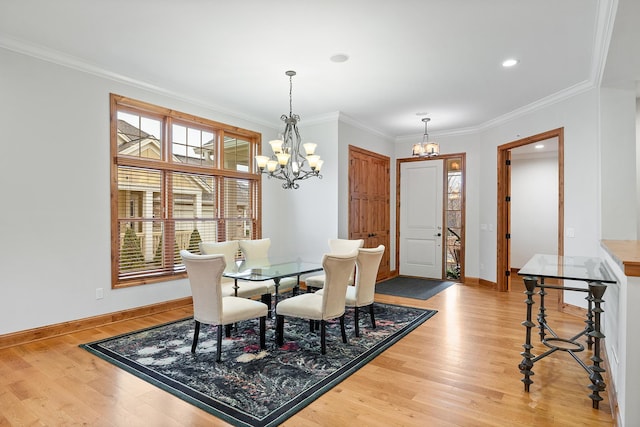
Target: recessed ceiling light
{"type": "Point", "coordinates": [509, 62]}
{"type": "Point", "coordinates": [539, 146]}
{"type": "Point", "coordinates": [339, 57]}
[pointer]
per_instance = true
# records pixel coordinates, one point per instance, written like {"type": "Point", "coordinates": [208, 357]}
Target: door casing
{"type": "Point", "coordinates": [504, 212]}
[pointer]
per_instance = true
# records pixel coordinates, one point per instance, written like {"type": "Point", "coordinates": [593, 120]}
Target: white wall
{"type": "Point", "coordinates": [301, 221]}
{"type": "Point", "coordinates": [534, 208]}
{"type": "Point", "coordinates": [55, 218]}
{"type": "Point", "coordinates": [618, 160]}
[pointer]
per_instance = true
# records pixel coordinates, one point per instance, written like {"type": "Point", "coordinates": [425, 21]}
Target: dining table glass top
{"type": "Point", "coordinates": [588, 269]}
{"type": "Point", "coordinates": [271, 269]}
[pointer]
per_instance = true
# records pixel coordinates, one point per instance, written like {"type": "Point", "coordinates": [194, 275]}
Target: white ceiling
{"type": "Point", "coordinates": [407, 58]}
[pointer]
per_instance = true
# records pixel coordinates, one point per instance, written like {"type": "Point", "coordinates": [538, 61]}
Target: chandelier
{"type": "Point", "coordinates": [288, 163]}
{"type": "Point", "coordinates": [426, 148]}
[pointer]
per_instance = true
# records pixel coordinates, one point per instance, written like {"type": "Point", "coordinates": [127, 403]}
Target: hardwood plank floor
{"type": "Point", "coordinates": [457, 369]}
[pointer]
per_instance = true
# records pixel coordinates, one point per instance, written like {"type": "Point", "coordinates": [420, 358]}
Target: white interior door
{"type": "Point", "coordinates": [421, 232]}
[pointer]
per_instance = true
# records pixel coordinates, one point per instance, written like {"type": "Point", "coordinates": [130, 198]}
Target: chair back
{"type": "Point", "coordinates": [337, 268]}
{"type": "Point", "coordinates": [257, 249]}
{"type": "Point", "coordinates": [345, 246]}
{"type": "Point", "coordinates": [205, 273]}
{"type": "Point", "coordinates": [228, 249]}
{"type": "Point", "coordinates": [367, 264]}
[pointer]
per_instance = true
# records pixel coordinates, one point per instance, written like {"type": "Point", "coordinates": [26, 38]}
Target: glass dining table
{"type": "Point", "coordinates": [272, 269]}
{"type": "Point", "coordinates": [595, 273]}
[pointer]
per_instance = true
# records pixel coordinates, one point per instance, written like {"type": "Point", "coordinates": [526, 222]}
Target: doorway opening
{"type": "Point", "coordinates": [548, 214]}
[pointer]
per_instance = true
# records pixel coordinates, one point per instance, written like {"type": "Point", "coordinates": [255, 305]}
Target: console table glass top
{"type": "Point", "coordinates": [582, 268]}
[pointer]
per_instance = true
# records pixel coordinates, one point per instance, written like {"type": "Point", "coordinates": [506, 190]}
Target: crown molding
{"type": "Point", "coordinates": [72, 62]}
{"type": "Point", "coordinates": [527, 109]}
{"type": "Point", "coordinates": [355, 123]}
{"type": "Point", "coordinates": [605, 21]}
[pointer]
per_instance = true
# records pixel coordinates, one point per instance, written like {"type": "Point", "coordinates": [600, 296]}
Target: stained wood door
{"type": "Point", "coordinates": [369, 211]}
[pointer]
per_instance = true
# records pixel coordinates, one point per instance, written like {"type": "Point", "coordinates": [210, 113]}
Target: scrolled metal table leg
{"type": "Point", "coordinates": [589, 320]}
{"type": "Point", "coordinates": [542, 315]}
{"type": "Point", "coordinates": [526, 365]}
{"type": "Point", "coordinates": [597, 382]}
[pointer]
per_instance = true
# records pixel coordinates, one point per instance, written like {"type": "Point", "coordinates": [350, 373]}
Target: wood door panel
{"type": "Point", "coordinates": [369, 210]}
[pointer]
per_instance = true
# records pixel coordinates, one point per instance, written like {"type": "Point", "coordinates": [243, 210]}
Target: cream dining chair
{"type": "Point", "coordinates": [210, 306]}
{"type": "Point", "coordinates": [320, 307]}
{"type": "Point", "coordinates": [246, 289]}
{"type": "Point", "coordinates": [363, 292]}
{"type": "Point", "coordinates": [336, 246]}
{"type": "Point", "coordinates": [256, 252]}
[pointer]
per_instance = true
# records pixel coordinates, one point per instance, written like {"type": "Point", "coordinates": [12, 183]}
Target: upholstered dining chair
{"type": "Point", "coordinates": [336, 246]}
{"type": "Point", "coordinates": [362, 293]}
{"type": "Point", "coordinates": [246, 289]}
{"type": "Point", "coordinates": [320, 307]}
{"type": "Point", "coordinates": [210, 306]}
{"type": "Point", "coordinates": [256, 252]}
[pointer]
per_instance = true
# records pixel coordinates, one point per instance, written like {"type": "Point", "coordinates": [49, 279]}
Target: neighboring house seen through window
{"type": "Point", "coordinates": [176, 180]}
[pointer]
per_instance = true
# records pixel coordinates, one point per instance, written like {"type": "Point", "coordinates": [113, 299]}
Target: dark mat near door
{"type": "Point", "coordinates": [412, 287]}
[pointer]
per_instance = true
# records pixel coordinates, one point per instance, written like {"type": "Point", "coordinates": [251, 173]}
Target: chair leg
{"type": "Point", "coordinates": [279, 330]}
{"type": "Point", "coordinates": [263, 329]}
{"type": "Point", "coordinates": [356, 316]}
{"type": "Point", "coordinates": [373, 319]}
{"type": "Point", "coordinates": [343, 330]}
{"type": "Point", "coordinates": [323, 343]}
{"type": "Point", "coordinates": [266, 298]}
{"type": "Point", "coordinates": [227, 331]}
{"type": "Point", "coordinates": [196, 332]}
{"type": "Point", "coordinates": [219, 355]}
{"type": "Point", "coordinates": [311, 325]}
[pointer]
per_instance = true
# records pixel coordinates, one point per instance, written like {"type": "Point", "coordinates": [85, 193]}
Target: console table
{"type": "Point", "coordinates": [587, 269]}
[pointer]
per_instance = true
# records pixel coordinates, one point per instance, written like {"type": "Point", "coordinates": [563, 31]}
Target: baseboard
{"type": "Point", "coordinates": [487, 283]}
{"type": "Point", "coordinates": [574, 310]}
{"type": "Point", "coordinates": [50, 331]}
{"type": "Point", "coordinates": [611, 387]}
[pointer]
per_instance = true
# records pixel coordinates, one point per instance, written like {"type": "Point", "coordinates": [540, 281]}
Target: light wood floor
{"type": "Point", "coordinates": [457, 369]}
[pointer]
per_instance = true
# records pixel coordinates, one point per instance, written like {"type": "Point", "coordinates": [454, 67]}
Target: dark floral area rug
{"type": "Point", "coordinates": [253, 387]}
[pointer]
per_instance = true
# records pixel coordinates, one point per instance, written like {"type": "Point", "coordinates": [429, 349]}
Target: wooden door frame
{"type": "Point", "coordinates": [444, 157]}
{"type": "Point", "coordinates": [504, 218]}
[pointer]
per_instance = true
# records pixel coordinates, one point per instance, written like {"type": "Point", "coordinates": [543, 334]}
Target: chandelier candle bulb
{"type": "Point", "coordinates": [310, 148]}
{"type": "Point", "coordinates": [283, 159]}
{"type": "Point", "coordinates": [276, 146]}
{"type": "Point", "coordinates": [313, 161]}
{"type": "Point", "coordinates": [262, 161]}
{"type": "Point", "coordinates": [272, 165]}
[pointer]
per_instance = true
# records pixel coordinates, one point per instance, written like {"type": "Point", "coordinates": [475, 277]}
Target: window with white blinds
{"type": "Point", "coordinates": [177, 180]}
